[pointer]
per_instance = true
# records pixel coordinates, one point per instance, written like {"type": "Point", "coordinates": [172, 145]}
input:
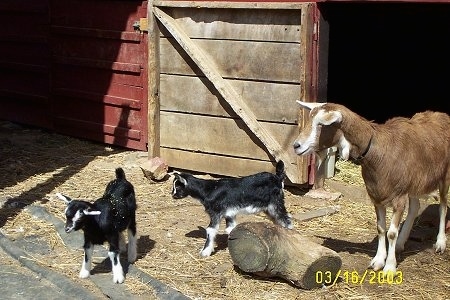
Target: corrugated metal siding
{"type": "Point", "coordinates": [77, 67]}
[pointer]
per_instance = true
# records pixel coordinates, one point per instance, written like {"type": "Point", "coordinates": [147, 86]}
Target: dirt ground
{"type": "Point", "coordinates": [37, 164]}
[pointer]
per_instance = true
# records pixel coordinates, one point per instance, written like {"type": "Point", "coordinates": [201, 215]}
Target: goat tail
{"type": "Point", "coordinates": [280, 169]}
{"type": "Point", "coordinates": [120, 174]}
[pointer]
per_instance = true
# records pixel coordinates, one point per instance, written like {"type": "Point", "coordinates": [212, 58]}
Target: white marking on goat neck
{"type": "Point", "coordinates": [344, 148]}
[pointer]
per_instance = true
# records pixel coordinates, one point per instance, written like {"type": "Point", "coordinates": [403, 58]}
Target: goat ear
{"type": "Point", "coordinates": [309, 105]}
{"type": "Point", "coordinates": [91, 212]}
{"type": "Point", "coordinates": [329, 117]}
{"type": "Point", "coordinates": [66, 199]}
{"type": "Point", "coordinates": [181, 179]}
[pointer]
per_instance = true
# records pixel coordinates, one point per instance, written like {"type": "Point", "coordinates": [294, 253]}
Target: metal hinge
{"type": "Point", "coordinates": [141, 25]}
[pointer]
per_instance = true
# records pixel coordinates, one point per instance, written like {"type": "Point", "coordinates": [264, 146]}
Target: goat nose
{"type": "Point", "coordinates": [296, 145]}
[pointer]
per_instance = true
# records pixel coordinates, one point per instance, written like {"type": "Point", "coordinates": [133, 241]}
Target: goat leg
{"type": "Point", "coordinates": [379, 260]}
{"type": "Point", "coordinates": [413, 209]}
{"type": "Point", "coordinates": [441, 239]}
{"type": "Point", "coordinates": [132, 244]}
{"type": "Point", "coordinates": [392, 234]}
{"type": "Point", "coordinates": [230, 223]}
{"type": "Point", "coordinates": [114, 256]}
{"type": "Point", "coordinates": [87, 260]}
{"type": "Point", "coordinates": [211, 233]}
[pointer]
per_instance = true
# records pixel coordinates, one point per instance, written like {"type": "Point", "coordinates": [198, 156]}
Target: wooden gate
{"type": "Point", "coordinates": [226, 79]}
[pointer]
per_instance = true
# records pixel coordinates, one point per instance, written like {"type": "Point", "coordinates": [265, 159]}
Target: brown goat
{"type": "Point", "coordinates": [401, 160]}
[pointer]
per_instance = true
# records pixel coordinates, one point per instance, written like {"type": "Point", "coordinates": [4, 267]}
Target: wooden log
{"type": "Point", "coordinates": [268, 250]}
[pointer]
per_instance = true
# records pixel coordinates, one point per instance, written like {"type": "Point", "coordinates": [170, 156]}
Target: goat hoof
{"type": "Point", "coordinates": [84, 274]}
{"type": "Point", "coordinates": [439, 249]}
{"type": "Point", "coordinates": [389, 272]}
{"type": "Point", "coordinates": [377, 263]}
{"type": "Point", "coordinates": [206, 252]}
{"type": "Point", "coordinates": [132, 257]}
{"type": "Point", "coordinates": [399, 249]}
{"type": "Point", "coordinates": [118, 278]}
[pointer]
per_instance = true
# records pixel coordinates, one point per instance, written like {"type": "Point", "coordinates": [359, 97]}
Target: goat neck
{"type": "Point", "coordinates": [359, 132]}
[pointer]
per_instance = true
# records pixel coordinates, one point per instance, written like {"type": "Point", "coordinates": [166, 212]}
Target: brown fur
{"type": "Point", "coordinates": [401, 160]}
{"type": "Point", "coordinates": [406, 156]}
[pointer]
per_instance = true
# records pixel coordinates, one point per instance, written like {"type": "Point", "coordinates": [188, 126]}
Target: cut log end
{"type": "Point", "coordinates": [251, 257]}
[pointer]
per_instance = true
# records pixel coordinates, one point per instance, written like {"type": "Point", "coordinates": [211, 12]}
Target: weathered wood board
{"type": "Point", "coordinates": [223, 136]}
{"type": "Point", "coordinates": [269, 101]}
{"type": "Point", "coordinates": [262, 61]}
{"type": "Point", "coordinates": [280, 25]}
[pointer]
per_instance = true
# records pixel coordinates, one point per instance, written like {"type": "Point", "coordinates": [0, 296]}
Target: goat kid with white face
{"type": "Point", "coordinates": [401, 160]}
{"type": "Point", "coordinates": [104, 221]}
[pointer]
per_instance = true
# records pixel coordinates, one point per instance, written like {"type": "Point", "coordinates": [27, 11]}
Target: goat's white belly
{"type": "Point", "coordinates": [231, 212]}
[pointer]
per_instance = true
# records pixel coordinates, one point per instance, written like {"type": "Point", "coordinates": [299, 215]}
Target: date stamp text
{"type": "Point", "coordinates": [355, 277]}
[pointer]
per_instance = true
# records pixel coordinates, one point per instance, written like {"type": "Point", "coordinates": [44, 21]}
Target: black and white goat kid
{"type": "Point", "coordinates": [227, 197]}
{"type": "Point", "coordinates": [104, 221]}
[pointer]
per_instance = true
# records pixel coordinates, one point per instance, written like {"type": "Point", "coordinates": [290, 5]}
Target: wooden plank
{"type": "Point", "coordinates": [320, 212]}
{"type": "Point", "coordinates": [98, 97]}
{"type": "Point", "coordinates": [263, 61]}
{"type": "Point", "coordinates": [97, 33]}
{"type": "Point", "coordinates": [104, 50]}
{"type": "Point", "coordinates": [153, 135]}
{"type": "Point", "coordinates": [127, 133]}
{"type": "Point", "coordinates": [93, 79]}
{"type": "Point", "coordinates": [227, 92]}
{"type": "Point", "coordinates": [268, 101]}
{"type": "Point", "coordinates": [239, 24]}
{"type": "Point", "coordinates": [222, 136]}
{"type": "Point", "coordinates": [214, 164]}
{"type": "Point", "coordinates": [225, 4]}
{"type": "Point", "coordinates": [307, 84]}
{"type": "Point", "coordinates": [96, 63]}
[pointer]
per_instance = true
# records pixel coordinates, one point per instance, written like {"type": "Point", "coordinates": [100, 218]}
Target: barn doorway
{"type": "Point", "coordinates": [388, 59]}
